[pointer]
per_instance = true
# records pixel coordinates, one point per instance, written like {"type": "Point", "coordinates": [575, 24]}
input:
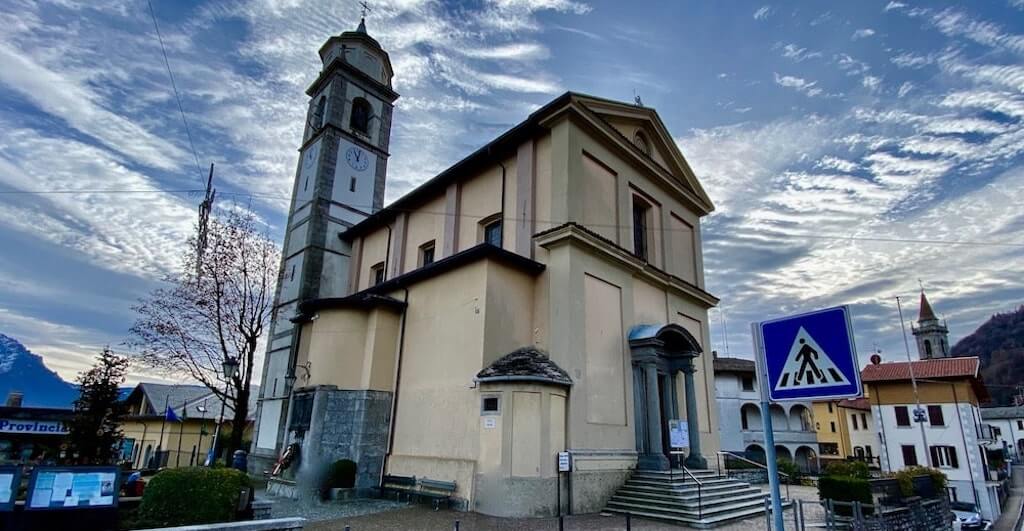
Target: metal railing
{"type": "Point", "coordinates": [722, 454]}
{"type": "Point", "coordinates": [700, 486]}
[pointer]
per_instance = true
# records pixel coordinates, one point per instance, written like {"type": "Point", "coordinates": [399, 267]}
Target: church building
{"type": "Point", "coordinates": [544, 294]}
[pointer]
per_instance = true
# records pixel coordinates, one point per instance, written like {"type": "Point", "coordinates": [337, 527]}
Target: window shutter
{"type": "Point", "coordinates": [952, 457]}
{"type": "Point", "coordinates": [902, 416]}
{"type": "Point", "coordinates": [934, 450]}
{"type": "Point", "coordinates": [935, 416]}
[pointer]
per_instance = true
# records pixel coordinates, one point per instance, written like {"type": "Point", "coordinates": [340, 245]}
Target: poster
{"type": "Point", "coordinates": [679, 434]}
{"type": "Point", "coordinates": [73, 487]}
{"type": "Point", "coordinates": [10, 480]}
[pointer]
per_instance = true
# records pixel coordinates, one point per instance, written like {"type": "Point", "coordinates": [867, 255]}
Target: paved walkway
{"type": "Point", "coordinates": [410, 518]}
{"type": "Point", "coordinates": [1009, 520]}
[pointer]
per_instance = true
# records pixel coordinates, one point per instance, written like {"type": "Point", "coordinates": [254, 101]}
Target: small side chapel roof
{"type": "Point", "coordinates": [526, 364]}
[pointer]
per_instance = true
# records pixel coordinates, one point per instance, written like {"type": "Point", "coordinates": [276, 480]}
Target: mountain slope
{"type": "Point", "coordinates": [999, 342]}
{"type": "Point", "coordinates": [21, 370]}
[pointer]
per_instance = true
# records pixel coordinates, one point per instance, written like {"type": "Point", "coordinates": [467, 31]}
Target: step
{"type": "Point", "coordinates": [687, 490]}
{"type": "Point", "coordinates": [695, 522]}
{"type": "Point", "coordinates": [691, 512]}
{"type": "Point", "coordinates": [689, 494]}
{"type": "Point", "coordinates": [689, 502]}
{"type": "Point", "coordinates": [666, 483]}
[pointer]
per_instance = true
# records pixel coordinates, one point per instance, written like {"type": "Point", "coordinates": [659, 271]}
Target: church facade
{"type": "Point", "coordinates": [544, 294]}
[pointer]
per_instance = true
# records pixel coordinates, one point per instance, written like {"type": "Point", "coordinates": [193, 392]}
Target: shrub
{"type": "Point", "coordinates": [845, 489]}
{"type": "Point", "coordinates": [905, 477]}
{"type": "Point", "coordinates": [188, 496]}
{"type": "Point", "coordinates": [789, 468]}
{"type": "Point", "coordinates": [851, 469]}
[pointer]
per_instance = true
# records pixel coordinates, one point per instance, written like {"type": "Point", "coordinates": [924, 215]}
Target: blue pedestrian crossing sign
{"type": "Point", "coordinates": [810, 356]}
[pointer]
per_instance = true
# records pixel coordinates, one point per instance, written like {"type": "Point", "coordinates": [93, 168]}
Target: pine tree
{"type": "Point", "coordinates": [95, 434]}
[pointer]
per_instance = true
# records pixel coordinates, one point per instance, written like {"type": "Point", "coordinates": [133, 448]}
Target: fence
{"type": "Point", "coordinates": [915, 514]}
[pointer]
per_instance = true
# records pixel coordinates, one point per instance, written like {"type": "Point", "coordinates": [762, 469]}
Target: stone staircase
{"type": "Point", "coordinates": [674, 497]}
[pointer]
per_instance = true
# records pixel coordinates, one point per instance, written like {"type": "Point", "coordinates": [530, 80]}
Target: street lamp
{"type": "Point", "coordinates": [230, 368]}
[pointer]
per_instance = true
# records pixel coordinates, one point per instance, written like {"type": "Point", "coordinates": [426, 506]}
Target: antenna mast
{"type": "Point", "coordinates": [205, 207]}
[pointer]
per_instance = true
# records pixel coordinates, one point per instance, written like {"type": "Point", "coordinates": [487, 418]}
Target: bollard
{"type": "Point", "coordinates": [348, 528]}
{"type": "Point", "coordinates": [456, 525]}
{"type": "Point", "coordinates": [561, 523]}
{"type": "Point", "coordinates": [629, 523]}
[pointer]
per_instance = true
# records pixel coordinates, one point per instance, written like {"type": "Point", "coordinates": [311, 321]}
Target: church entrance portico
{"type": "Point", "coordinates": [659, 353]}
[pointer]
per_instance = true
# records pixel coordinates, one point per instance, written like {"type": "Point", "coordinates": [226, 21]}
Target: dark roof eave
{"type": "Point", "coordinates": [528, 379]}
{"type": "Point", "coordinates": [355, 301]}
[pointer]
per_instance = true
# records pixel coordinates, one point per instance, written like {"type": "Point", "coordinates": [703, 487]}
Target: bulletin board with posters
{"type": "Point", "coordinates": [10, 480]}
{"type": "Point", "coordinates": [63, 488]}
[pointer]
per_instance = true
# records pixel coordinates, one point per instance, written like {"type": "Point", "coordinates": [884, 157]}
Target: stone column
{"type": "Point", "coordinates": [655, 458]}
{"type": "Point", "coordinates": [694, 460]}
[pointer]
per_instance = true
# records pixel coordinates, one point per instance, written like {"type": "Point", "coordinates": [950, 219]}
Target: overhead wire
{"type": "Point", "coordinates": [174, 88]}
{"type": "Point", "coordinates": [551, 223]}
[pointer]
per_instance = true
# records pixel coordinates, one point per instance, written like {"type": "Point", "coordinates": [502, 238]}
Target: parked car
{"type": "Point", "coordinates": [970, 518]}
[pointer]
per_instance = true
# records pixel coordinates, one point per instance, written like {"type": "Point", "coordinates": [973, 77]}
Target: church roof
{"type": "Point", "coordinates": [526, 364]}
{"type": "Point", "coordinates": [738, 365]}
{"type": "Point", "coordinates": [927, 314]}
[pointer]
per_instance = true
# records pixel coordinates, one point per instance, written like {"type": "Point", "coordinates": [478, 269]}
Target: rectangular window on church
{"type": "Point", "coordinates": [377, 272]}
{"type": "Point", "coordinates": [490, 405]}
{"type": "Point", "coordinates": [352, 185]}
{"type": "Point", "coordinates": [427, 253]}
{"type": "Point", "coordinates": [640, 212]}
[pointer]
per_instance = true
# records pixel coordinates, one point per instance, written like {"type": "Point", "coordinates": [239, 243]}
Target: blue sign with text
{"type": "Point", "coordinates": [810, 356]}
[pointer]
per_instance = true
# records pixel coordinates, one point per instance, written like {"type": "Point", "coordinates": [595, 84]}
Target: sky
{"type": "Point", "coordinates": [852, 149]}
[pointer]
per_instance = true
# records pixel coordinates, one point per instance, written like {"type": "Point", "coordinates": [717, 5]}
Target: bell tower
{"type": "Point", "coordinates": [339, 181]}
{"type": "Point", "coordinates": [932, 336]}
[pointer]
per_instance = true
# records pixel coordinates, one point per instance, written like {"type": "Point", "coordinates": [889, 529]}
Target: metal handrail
{"type": "Point", "coordinates": [700, 494]}
{"type": "Point", "coordinates": [755, 463]}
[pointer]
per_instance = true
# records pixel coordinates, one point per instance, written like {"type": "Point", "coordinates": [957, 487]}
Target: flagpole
{"type": "Point", "coordinates": [163, 423]}
{"type": "Point", "coordinates": [181, 428]}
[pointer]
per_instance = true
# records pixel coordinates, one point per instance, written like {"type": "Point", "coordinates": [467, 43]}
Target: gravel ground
{"type": "Point", "coordinates": [331, 511]}
{"type": "Point", "coordinates": [392, 516]}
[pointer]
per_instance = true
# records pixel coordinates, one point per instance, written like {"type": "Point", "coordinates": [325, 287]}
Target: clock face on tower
{"type": "Point", "coordinates": [357, 158]}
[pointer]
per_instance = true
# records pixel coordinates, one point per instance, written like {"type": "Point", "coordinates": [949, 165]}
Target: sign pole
{"type": "Point", "coordinates": [769, 437]}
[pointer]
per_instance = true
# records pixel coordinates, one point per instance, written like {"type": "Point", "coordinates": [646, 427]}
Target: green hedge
{"type": "Point", "coordinates": [905, 477]}
{"type": "Point", "coordinates": [188, 496]}
{"type": "Point", "coordinates": [853, 469]}
{"type": "Point", "coordinates": [846, 489]}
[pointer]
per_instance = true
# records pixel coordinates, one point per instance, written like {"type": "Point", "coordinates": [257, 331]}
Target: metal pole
{"type": "Point", "coordinates": [913, 382]}
{"type": "Point", "coordinates": [769, 436]}
{"type": "Point", "coordinates": [629, 523]}
{"type": "Point", "coordinates": [220, 420]}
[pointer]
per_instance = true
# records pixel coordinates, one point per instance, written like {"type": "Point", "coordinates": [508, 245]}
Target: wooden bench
{"type": "Point", "coordinates": [399, 485]}
{"type": "Point", "coordinates": [437, 491]}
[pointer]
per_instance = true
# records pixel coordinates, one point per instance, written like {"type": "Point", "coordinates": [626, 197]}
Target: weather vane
{"type": "Point", "coordinates": [366, 8]}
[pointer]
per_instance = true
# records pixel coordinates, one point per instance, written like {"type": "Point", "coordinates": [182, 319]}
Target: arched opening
{"type": "Point", "coordinates": [360, 118]}
{"type": "Point", "coordinates": [806, 459]}
{"type": "Point", "coordinates": [779, 420]}
{"type": "Point", "coordinates": [800, 418]}
{"type": "Point", "coordinates": [640, 141]}
{"type": "Point", "coordinates": [317, 119]}
{"type": "Point", "coordinates": [750, 417]}
{"type": "Point", "coordinates": [754, 452]}
{"type": "Point", "coordinates": [927, 348]}
{"type": "Point", "coordinates": [781, 452]}
{"type": "Point", "coordinates": [858, 452]}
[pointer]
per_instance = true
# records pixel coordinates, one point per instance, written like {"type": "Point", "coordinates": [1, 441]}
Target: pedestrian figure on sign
{"type": "Point", "coordinates": [806, 357]}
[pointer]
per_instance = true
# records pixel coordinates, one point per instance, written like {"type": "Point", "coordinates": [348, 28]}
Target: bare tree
{"type": "Point", "coordinates": [218, 306]}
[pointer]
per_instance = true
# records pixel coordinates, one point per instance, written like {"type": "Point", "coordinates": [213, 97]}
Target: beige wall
{"type": "Point", "coordinates": [373, 250]}
{"type": "Point", "coordinates": [425, 223]}
{"type": "Point", "coordinates": [600, 198]}
{"type": "Point", "coordinates": [350, 349]}
{"type": "Point", "coordinates": [147, 433]}
{"type": "Point", "coordinates": [903, 393]}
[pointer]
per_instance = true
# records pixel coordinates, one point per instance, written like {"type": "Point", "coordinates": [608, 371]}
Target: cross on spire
{"type": "Point", "coordinates": [366, 8]}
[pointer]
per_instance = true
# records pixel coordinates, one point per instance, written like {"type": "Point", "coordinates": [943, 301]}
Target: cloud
{"type": "Point", "coordinates": [763, 12]}
{"type": "Point", "coordinates": [792, 51]}
{"type": "Point", "coordinates": [799, 84]}
{"type": "Point", "coordinates": [849, 65]}
{"type": "Point", "coordinates": [872, 83]}
{"type": "Point", "coordinates": [894, 6]}
{"type": "Point", "coordinates": [905, 89]}
{"type": "Point", "coordinates": [911, 60]}
{"type": "Point", "coordinates": [954, 23]}
{"type": "Point", "coordinates": [862, 33]}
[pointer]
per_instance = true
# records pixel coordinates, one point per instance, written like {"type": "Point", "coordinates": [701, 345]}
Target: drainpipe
{"type": "Point", "coordinates": [398, 381]}
{"type": "Point", "coordinates": [387, 252]}
{"type": "Point", "coordinates": [881, 421]}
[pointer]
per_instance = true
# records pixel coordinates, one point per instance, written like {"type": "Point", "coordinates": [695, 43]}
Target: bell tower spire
{"type": "Point", "coordinates": [932, 336]}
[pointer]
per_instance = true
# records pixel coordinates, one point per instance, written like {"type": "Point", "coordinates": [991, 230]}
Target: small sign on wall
{"type": "Point", "coordinates": [564, 462]}
{"type": "Point", "coordinates": [490, 423]}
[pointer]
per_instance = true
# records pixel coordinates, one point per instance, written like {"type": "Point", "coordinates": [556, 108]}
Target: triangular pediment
{"type": "Point", "coordinates": [627, 122]}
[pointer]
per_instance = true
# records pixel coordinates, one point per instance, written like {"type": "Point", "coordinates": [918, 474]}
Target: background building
{"type": "Point", "coordinates": [846, 430]}
{"type": "Point", "coordinates": [953, 437]}
{"type": "Point", "coordinates": [740, 424]}
{"type": "Point", "coordinates": [152, 441]}
{"type": "Point", "coordinates": [32, 435]}
{"type": "Point", "coordinates": [1007, 429]}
